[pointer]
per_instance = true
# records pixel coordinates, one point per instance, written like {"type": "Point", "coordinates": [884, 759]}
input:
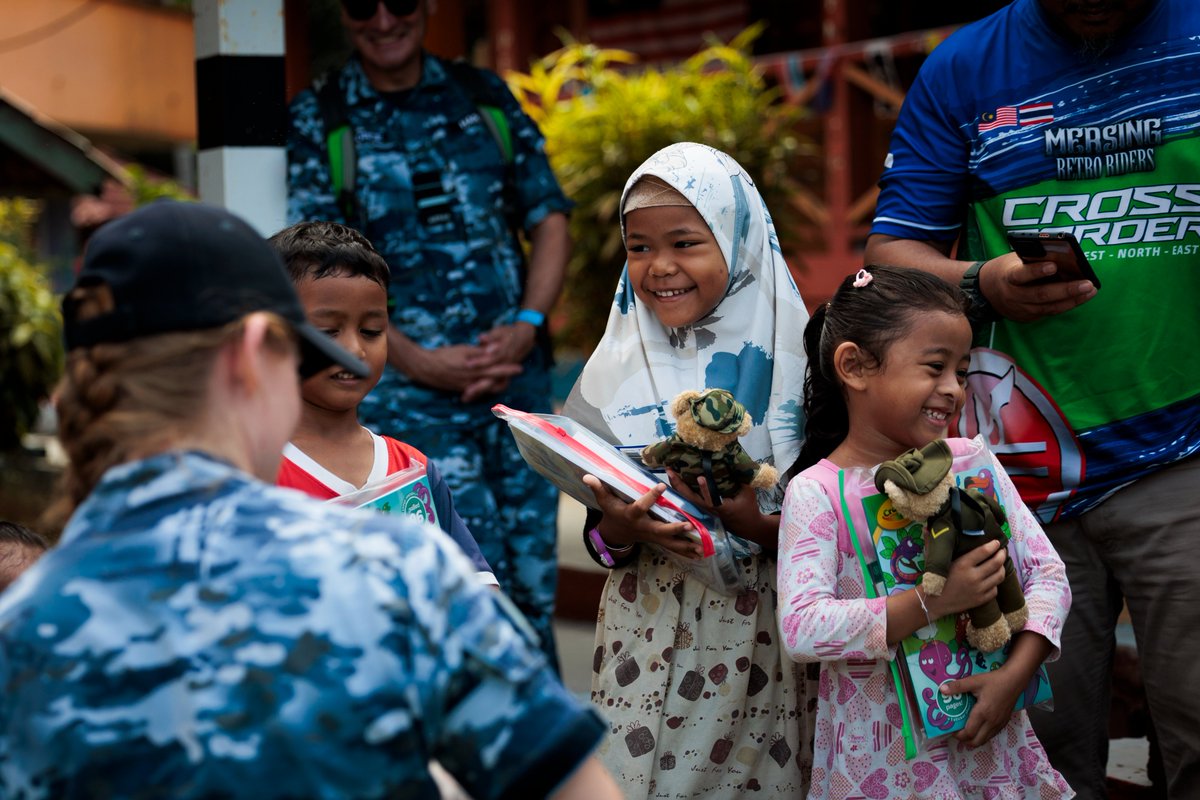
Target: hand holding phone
{"type": "Point", "coordinates": [1061, 248]}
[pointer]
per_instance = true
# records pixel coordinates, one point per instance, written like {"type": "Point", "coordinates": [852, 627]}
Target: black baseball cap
{"type": "Point", "coordinates": [173, 266]}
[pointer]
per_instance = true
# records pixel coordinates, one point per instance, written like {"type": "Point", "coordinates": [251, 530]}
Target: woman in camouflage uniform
{"type": "Point", "coordinates": [199, 633]}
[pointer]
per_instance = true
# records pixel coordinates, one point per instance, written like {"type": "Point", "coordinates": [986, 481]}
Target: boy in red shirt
{"type": "Point", "coordinates": [342, 283]}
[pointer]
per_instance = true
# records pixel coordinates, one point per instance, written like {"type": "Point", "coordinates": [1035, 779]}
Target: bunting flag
{"type": "Point", "coordinates": [793, 75]}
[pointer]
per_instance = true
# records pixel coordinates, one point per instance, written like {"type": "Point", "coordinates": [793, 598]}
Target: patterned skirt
{"type": "Point", "coordinates": [700, 700]}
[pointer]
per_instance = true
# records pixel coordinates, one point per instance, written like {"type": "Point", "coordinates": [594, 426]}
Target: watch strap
{"type": "Point", "coordinates": [981, 309]}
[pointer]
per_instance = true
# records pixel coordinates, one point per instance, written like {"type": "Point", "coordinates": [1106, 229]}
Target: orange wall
{"type": "Point", "coordinates": [119, 71]}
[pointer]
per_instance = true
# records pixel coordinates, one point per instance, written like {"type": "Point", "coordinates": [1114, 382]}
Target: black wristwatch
{"type": "Point", "coordinates": [981, 309]}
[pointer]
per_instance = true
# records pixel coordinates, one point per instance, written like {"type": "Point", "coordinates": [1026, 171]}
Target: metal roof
{"type": "Point", "coordinates": [40, 157]}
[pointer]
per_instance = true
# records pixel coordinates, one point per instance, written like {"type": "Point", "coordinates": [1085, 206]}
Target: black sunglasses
{"type": "Point", "coordinates": [362, 10]}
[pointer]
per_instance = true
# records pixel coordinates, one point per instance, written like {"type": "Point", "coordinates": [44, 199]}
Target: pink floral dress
{"type": "Point", "coordinates": [824, 615]}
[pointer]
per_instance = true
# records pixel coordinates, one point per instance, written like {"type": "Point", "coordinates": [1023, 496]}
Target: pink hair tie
{"type": "Point", "coordinates": [862, 279]}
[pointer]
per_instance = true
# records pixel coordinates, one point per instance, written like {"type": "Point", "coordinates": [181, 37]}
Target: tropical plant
{"type": "Point", "coordinates": [602, 118]}
{"type": "Point", "coordinates": [18, 215]}
{"type": "Point", "coordinates": [31, 354]}
{"type": "Point", "coordinates": [30, 338]}
{"type": "Point", "coordinates": [146, 187]}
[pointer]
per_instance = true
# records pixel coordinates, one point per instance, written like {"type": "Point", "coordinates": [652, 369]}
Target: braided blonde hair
{"type": "Point", "coordinates": [118, 402]}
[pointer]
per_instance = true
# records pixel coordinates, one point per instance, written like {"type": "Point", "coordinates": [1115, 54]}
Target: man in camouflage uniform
{"type": "Point", "coordinates": [440, 203]}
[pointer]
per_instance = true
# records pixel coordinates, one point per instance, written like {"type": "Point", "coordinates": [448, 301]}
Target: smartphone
{"type": "Point", "coordinates": [1061, 248]}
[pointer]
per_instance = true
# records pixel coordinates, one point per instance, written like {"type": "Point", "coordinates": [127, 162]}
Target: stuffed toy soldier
{"type": "Point", "coordinates": [705, 444]}
{"type": "Point", "coordinates": [956, 521]}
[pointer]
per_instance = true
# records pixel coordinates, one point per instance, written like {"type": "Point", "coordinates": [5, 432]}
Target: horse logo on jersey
{"type": "Point", "coordinates": [1025, 429]}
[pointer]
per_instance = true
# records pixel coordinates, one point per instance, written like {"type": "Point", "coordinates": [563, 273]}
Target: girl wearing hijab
{"type": "Point", "coordinates": [700, 700]}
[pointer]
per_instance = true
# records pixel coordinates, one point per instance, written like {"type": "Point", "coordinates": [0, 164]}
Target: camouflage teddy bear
{"type": "Point", "coordinates": [956, 521]}
{"type": "Point", "coordinates": [705, 444]}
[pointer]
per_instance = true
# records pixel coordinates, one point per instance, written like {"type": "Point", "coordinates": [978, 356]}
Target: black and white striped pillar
{"type": "Point", "coordinates": [241, 109]}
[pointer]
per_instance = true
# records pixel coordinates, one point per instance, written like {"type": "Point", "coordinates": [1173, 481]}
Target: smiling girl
{"type": "Point", "coordinates": [888, 358]}
{"type": "Point", "coordinates": [699, 700]}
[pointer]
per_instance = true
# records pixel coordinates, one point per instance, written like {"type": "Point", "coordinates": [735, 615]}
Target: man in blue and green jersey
{"type": "Point", "coordinates": [1079, 116]}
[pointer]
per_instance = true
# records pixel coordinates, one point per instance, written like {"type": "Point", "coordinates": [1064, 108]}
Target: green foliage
{"type": "Point", "coordinates": [147, 189]}
{"type": "Point", "coordinates": [31, 352]}
{"type": "Point", "coordinates": [17, 218]}
{"type": "Point", "coordinates": [30, 342]}
{"type": "Point", "coordinates": [601, 120]}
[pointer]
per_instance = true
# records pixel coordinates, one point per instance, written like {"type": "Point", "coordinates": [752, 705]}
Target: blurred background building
{"type": "Point", "coordinates": [121, 73]}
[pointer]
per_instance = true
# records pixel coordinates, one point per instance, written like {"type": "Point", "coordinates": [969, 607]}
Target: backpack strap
{"type": "Point", "coordinates": [339, 144]}
{"type": "Point", "coordinates": [488, 101]}
{"type": "Point", "coordinates": [497, 123]}
{"type": "Point", "coordinates": [871, 573]}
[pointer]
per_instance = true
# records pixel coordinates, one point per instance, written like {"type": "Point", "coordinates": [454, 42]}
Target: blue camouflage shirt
{"type": "Point", "coordinates": [198, 633]}
{"type": "Point", "coordinates": [433, 183]}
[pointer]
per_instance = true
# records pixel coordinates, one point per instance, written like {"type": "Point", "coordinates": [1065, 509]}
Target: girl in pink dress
{"type": "Point", "coordinates": [888, 358]}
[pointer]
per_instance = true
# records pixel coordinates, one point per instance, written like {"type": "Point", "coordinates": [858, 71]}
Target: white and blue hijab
{"type": "Point", "coordinates": [751, 344]}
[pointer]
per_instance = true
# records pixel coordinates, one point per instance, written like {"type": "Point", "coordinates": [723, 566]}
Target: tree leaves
{"type": "Point", "coordinates": [31, 354]}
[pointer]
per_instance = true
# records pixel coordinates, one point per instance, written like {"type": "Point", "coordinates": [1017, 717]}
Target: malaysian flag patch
{"type": "Point", "coordinates": [1002, 117]}
{"type": "Point", "coordinates": [1035, 114]}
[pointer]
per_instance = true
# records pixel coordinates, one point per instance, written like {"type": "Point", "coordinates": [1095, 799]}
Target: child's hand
{"type": "Point", "coordinates": [628, 523]}
{"type": "Point", "coordinates": [996, 694]}
{"type": "Point", "coordinates": [739, 513]}
{"type": "Point", "coordinates": [973, 580]}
